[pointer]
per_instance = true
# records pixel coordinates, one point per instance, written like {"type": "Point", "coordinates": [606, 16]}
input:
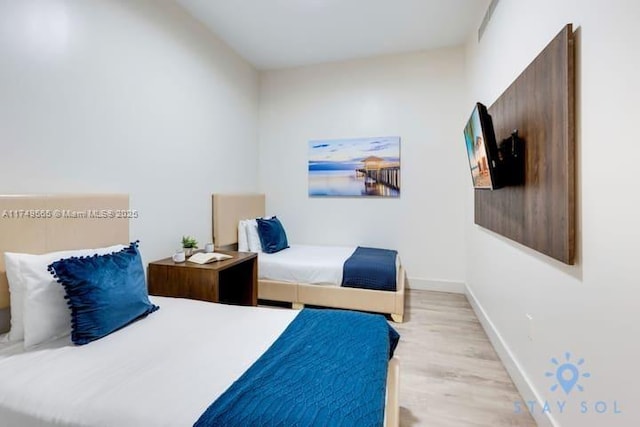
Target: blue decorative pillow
{"type": "Point", "coordinates": [104, 292]}
{"type": "Point", "coordinates": [272, 235]}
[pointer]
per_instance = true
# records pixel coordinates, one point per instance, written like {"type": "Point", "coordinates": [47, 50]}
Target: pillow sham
{"type": "Point", "coordinates": [35, 297]}
{"type": "Point", "coordinates": [105, 292]}
{"type": "Point", "coordinates": [272, 235]}
{"type": "Point", "coordinates": [243, 243]}
{"type": "Point", "coordinates": [253, 237]}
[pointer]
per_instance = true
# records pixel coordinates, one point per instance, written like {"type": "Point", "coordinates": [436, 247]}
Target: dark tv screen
{"type": "Point", "coordinates": [482, 149]}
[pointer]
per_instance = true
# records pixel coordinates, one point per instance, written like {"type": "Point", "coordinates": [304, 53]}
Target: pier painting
{"type": "Point", "coordinates": [355, 167]}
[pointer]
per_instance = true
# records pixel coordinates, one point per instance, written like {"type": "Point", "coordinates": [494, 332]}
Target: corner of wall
{"type": "Point", "coordinates": [436, 285]}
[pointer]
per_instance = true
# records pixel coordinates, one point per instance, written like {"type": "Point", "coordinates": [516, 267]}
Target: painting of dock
{"type": "Point", "coordinates": [359, 167]}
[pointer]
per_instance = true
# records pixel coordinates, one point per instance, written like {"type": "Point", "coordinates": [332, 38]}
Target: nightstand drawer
{"type": "Point", "coordinates": [233, 281]}
{"type": "Point", "coordinates": [183, 283]}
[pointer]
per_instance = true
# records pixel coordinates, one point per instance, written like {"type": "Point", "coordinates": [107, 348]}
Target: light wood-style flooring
{"type": "Point", "coordinates": [450, 374]}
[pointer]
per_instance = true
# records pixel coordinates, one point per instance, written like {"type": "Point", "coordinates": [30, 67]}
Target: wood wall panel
{"type": "Point", "coordinates": [540, 213]}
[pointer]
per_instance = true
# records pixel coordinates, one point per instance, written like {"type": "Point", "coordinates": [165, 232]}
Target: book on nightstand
{"type": "Point", "coordinates": [206, 258]}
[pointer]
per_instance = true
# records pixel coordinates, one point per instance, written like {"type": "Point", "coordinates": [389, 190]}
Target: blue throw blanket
{"type": "Point", "coordinates": [328, 368]}
{"type": "Point", "coordinates": [370, 268]}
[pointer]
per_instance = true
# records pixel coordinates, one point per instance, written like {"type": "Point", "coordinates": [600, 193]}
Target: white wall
{"type": "Point", "coordinates": [590, 309]}
{"type": "Point", "coordinates": [119, 96]}
{"type": "Point", "coordinates": [419, 97]}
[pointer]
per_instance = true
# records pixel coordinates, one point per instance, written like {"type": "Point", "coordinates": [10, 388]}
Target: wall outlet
{"type": "Point", "coordinates": [529, 326]}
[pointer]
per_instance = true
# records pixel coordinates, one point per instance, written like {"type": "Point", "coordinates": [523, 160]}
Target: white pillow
{"type": "Point", "coordinates": [46, 314]}
{"type": "Point", "coordinates": [243, 242]}
{"type": "Point", "coordinates": [16, 296]}
{"type": "Point", "coordinates": [253, 237]}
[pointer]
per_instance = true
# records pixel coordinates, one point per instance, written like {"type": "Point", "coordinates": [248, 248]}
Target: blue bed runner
{"type": "Point", "coordinates": [370, 268]}
{"type": "Point", "coordinates": [328, 368]}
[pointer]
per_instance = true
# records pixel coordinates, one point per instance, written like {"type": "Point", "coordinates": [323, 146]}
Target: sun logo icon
{"type": "Point", "coordinates": [568, 374]}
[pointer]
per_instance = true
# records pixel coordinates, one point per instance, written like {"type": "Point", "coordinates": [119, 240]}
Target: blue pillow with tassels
{"type": "Point", "coordinates": [104, 292]}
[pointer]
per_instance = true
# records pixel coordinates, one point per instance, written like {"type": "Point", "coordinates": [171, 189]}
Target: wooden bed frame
{"type": "Point", "coordinates": [228, 209]}
{"type": "Point", "coordinates": [33, 235]}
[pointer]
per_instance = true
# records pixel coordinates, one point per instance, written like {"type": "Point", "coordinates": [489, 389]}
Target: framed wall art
{"type": "Point", "coordinates": [357, 167]}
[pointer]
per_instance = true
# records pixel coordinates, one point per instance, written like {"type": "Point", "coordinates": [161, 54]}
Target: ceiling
{"type": "Point", "coordinates": [286, 33]}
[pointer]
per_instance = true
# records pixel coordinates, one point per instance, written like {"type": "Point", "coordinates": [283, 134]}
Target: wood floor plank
{"type": "Point", "coordinates": [450, 375]}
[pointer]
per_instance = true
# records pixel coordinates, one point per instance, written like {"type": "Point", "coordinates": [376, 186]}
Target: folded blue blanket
{"type": "Point", "coordinates": [370, 268]}
{"type": "Point", "coordinates": [328, 368]}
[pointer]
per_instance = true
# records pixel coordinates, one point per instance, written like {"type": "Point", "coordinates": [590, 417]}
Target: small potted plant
{"type": "Point", "coordinates": [189, 244]}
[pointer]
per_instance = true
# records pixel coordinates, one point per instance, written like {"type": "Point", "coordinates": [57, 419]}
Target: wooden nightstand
{"type": "Point", "coordinates": [232, 281]}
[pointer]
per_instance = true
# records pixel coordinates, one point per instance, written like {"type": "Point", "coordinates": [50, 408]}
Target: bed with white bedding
{"type": "Point", "coordinates": [145, 374]}
{"type": "Point", "coordinates": [163, 369]}
{"type": "Point", "coordinates": [303, 274]}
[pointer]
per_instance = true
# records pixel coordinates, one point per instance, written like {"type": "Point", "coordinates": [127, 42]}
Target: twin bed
{"type": "Point", "coordinates": [168, 368]}
{"type": "Point", "coordinates": [303, 275]}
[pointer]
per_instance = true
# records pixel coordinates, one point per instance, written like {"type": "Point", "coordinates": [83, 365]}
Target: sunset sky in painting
{"type": "Point", "coordinates": [354, 150]}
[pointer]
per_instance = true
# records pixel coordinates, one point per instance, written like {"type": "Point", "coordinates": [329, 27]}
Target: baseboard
{"type": "Point", "coordinates": [520, 379]}
{"type": "Point", "coordinates": [437, 285]}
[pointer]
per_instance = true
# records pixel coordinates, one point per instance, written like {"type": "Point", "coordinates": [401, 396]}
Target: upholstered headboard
{"type": "Point", "coordinates": [47, 223]}
{"type": "Point", "coordinates": [228, 209]}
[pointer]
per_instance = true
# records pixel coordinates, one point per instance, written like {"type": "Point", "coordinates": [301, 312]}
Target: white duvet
{"type": "Point", "coordinates": [164, 370]}
{"type": "Point", "coordinates": [305, 264]}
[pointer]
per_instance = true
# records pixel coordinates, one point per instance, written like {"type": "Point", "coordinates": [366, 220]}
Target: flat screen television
{"type": "Point", "coordinates": [482, 150]}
